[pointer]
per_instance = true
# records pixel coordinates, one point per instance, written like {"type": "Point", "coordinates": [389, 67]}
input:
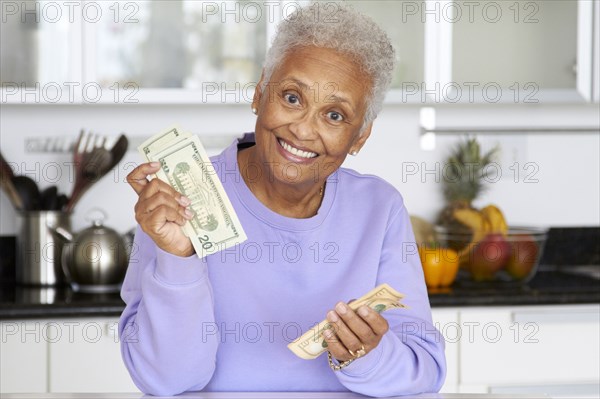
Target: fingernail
{"type": "Point", "coordinates": [331, 316]}
{"type": "Point", "coordinates": [341, 308]}
{"type": "Point", "coordinates": [185, 201]}
{"type": "Point", "coordinates": [155, 164]}
{"type": "Point", "coordinates": [189, 213]}
{"type": "Point", "coordinates": [363, 311]}
{"type": "Point", "coordinates": [328, 333]}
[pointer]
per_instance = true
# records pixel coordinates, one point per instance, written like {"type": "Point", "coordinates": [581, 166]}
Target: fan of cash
{"type": "Point", "coordinates": [311, 344]}
{"type": "Point", "coordinates": [185, 165]}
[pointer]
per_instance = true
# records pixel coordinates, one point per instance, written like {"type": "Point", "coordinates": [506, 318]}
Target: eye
{"type": "Point", "coordinates": [335, 116]}
{"type": "Point", "coordinates": [291, 98]}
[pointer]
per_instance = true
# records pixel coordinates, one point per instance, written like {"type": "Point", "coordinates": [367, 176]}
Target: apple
{"type": "Point", "coordinates": [523, 257]}
{"type": "Point", "coordinates": [489, 256]}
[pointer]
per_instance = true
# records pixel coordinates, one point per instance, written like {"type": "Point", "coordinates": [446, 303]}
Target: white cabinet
{"type": "Point", "coordinates": [530, 348]}
{"type": "Point", "coordinates": [87, 52]}
{"type": "Point", "coordinates": [85, 357]}
{"type": "Point", "coordinates": [502, 47]}
{"type": "Point", "coordinates": [188, 51]}
{"type": "Point", "coordinates": [446, 321]}
{"type": "Point", "coordinates": [68, 355]}
{"type": "Point", "coordinates": [23, 357]}
{"type": "Point", "coordinates": [552, 349]}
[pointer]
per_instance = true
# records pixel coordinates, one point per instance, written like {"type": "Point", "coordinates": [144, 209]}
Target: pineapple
{"type": "Point", "coordinates": [463, 181]}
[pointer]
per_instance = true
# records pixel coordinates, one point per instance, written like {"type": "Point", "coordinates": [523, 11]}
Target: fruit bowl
{"type": "Point", "coordinates": [510, 257]}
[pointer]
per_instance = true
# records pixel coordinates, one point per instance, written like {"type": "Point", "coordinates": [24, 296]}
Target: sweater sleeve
{"type": "Point", "coordinates": [410, 357]}
{"type": "Point", "coordinates": [166, 331]}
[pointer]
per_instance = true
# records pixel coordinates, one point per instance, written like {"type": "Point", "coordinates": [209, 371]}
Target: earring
{"type": "Point", "coordinates": [354, 153]}
{"type": "Point", "coordinates": [254, 111]}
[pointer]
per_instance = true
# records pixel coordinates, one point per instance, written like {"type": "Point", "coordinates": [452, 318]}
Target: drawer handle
{"type": "Point", "coordinates": [576, 316]}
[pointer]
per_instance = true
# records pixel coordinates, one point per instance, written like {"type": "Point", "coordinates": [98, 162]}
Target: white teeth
{"type": "Point", "coordinates": [297, 152]}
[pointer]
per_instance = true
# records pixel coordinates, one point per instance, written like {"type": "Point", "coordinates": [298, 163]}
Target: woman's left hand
{"type": "Point", "coordinates": [353, 332]}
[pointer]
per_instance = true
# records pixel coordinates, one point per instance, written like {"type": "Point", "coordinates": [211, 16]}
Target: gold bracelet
{"type": "Point", "coordinates": [337, 367]}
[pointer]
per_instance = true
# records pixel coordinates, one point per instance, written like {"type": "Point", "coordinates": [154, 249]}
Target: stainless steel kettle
{"type": "Point", "coordinates": [94, 259]}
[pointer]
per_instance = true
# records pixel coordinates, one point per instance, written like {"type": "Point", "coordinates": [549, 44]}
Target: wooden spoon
{"type": "Point", "coordinates": [6, 176]}
{"type": "Point", "coordinates": [118, 150]}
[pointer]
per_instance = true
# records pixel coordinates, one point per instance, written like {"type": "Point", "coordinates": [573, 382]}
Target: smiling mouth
{"type": "Point", "coordinates": [295, 151]}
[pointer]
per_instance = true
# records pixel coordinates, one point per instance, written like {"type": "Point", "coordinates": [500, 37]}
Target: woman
{"type": "Point", "coordinates": [319, 235]}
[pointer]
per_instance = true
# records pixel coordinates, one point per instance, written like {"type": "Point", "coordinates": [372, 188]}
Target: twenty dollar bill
{"type": "Point", "coordinates": [187, 168]}
{"type": "Point", "coordinates": [311, 344]}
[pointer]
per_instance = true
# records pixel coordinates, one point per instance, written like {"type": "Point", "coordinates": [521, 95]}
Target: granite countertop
{"type": "Point", "coordinates": [562, 283]}
{"type": "Point", "coordinates": [548, 287]}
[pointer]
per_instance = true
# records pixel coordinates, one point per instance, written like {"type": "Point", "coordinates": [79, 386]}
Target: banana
{"type": "Point", "coordinates": [496, 219]}
{"type": "Point", "coordinates": [478, 224]}
{"type": "Point", "coordinates": [483, 222]}
{"type": "Point", "coordinates": [471, 218]}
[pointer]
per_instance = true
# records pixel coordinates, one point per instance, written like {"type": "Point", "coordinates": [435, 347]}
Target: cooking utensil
{"type": "Point", "coordinates": [28, 191]}
{"type": "Point", "coordinates": [49, 199]}
{"type": "Point", "coordinates": [118, 150]}
{"type": "Point", "coordinates": [6, 176]}
{"type": "Point", "coordinates": [78, 153]}
{"type": "Point", "coordinates": [81, 160]}
{"type": "Point", "coordinates": [89, 171]}
{"type": "Point", "coordinates": [98, 163]}
{"type": "Point", "coordinates": [94, 164]}
{"type": "Point", "coordinates": [38, 248]}
{"type": "Point", "coordinates": [94, 259]}
{"type": "Point", "coordinates": [61, 202]}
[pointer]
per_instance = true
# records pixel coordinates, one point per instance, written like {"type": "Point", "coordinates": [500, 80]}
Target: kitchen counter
{"type": "Point", "coordinates": [548, 287]}
{"type": "Point", "coordinates": [260, 395]}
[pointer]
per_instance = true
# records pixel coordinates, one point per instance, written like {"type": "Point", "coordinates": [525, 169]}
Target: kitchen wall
{"type": "Point", "coordinates": [559, 187]}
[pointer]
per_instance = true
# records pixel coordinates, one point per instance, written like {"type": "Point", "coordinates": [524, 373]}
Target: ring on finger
{"type": "Point", "coordinates": [359, 353]}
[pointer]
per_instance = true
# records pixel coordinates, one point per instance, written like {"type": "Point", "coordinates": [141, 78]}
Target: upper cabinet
{"type": "Point", "coordinates": [191, 51]}
{"type": "Point", "coordinates": [407, 35]}
{"type": "Point", "coordinates": [37, 51]}
{"type": "Point", "coordinates": [525, 51]}
{"type": "Point", "coordinates": [193, 45]}
{"type": "Point", "coordinates": [127, 52]}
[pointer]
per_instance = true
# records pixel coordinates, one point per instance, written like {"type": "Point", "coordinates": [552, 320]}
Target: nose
{"type": "Point", "coordinates": [304, 126]}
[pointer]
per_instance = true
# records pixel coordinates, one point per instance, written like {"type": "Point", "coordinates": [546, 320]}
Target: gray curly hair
{"type": "Point", "coordinates": [345, 30]}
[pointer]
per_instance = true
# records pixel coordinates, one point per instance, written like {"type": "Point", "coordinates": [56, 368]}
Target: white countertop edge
{"type": "Point", "coordinates": [259, 395]}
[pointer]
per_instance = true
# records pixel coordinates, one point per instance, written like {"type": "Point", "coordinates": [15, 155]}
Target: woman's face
{"type": "Point", "coordinates": [310, 115]}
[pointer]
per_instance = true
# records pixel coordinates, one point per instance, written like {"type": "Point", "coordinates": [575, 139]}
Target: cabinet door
{"type": "Point", "coordinates": [530, 345]}
{"type": "Point", "coordinates": [85, 357]}
{"type": "Point", "coordinates": [521, 51]}
{"type": "Point", "coordinates": [40, 60]}
{"type": "Point", "coordinates": [446, 321]}
{"type": "Point", "coordinates": [178, 50]}
{"type": "Point", "coordinates": [23, 357]}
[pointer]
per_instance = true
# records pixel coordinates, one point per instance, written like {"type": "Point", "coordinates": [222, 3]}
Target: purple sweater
{"type": "Point", "coordinates": [223, 323]}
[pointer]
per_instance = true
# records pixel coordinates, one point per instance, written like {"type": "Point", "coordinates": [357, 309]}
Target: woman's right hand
{"type": "Point", "coordinates": [161, 210]}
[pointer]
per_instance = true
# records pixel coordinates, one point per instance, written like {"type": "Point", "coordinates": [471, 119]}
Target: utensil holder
{"type": "Point", "coordinates": [39, 248]}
